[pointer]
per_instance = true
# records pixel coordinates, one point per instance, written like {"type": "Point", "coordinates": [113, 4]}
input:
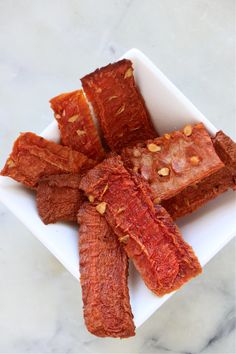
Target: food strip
{"type": "Point", "coordinates": [149, 236]}
{"type": "Point", "coordinates": [59, 198]}
{"type": "Point", "coordinates": [196, 195]}
{"type": "Point", "coordinates": [76, 124]}
{"type": "Point", "coordinates": [103, 277]}
{"type": "Point", "coordinates": [118, 105]}
{"type": "Point", "coordinates": [174, 161]}
{"type": "Point", "coordinates": [33, 157]}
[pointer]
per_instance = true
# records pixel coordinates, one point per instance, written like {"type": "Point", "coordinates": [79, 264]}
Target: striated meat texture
{"type": "Point", "coordinates": [33, 157]}
{"type": "Point", "coordinates": [118, 105]}
{"type": "Point", "coordinates": [174, 161]}
{"type": "Point", "coordinates": [103, 277]}
{"type": "Point", "coordinates": [198, 194]}
{"type": "Point", "coordinates": [59, 198]}
{"type": "Point", "coordinates": [148, 234]}
{"type": "Point", "coordinates": [76, 124]}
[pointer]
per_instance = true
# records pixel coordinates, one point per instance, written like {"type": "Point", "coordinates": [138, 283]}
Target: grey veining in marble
{"type": "Point", "coordinates": [45, 47]}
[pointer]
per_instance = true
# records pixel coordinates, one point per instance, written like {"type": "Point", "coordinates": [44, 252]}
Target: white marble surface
{"type": "Point", "coordinates": [45, 46]}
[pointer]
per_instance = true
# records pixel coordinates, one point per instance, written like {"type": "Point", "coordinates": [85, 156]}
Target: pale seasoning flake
{"type": "Point", "coordinates": [124, 239]}
{"type": "Point", "coordinates": [112, 98]}
{"type": "Point", "coordinates": [11, 163]}
{"type": "Point", "coordinates": [91, 198]}
{"type": "Point", "coordinates": [73, 118]}
{"type": "Point", "coordinates": [120, 110]}
{"type": "Point", "coordinates": [165, 171]}
{"type": "Point", "coordinates": [120, 210]}
{"type": "Point", "coordinates": [105, 189]}
{"type": "Point", "coordinates": [194, 160]}
{"type": "Point", "coordinates": [80, 132]}
{"type": "Point", "coordinates": [153, 147]}
{"type": "Point", "coordinates": [188, 130]}
{"type": "Point", "coordinates": [128, 73]}
{"type": "Point", "coordinates": [101, 207]}
{"type": "Point", "coordinates": [157, 201]}
{"type": "Point", "coordinates": [57, 116]}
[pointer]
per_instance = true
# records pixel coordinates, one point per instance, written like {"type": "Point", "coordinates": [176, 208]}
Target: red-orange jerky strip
{"type": "Point", "coordinates": [172, 162]}
{"type": "Point", "coordinates": [103, 277]}
{"type": "Point", "coordinates": [76, 124]}
{"type": "Point", "coordinates": [118, 105]}
{"type": "Point", "coordinates": [59, 198]}
{"type": "Point", "coordinates": [194, 196]}
{"type": "Point", "coordinates": [33, 157]}
{"type": "Point", "coordinates": [150, 238]}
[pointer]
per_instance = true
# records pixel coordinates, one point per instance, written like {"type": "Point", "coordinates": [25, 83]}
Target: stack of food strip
{"type": "Point", "coordinates": [124, 193]}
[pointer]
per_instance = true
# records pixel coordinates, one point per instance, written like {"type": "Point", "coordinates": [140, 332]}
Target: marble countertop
{"type": "Point", "coordinates": [45, 47]}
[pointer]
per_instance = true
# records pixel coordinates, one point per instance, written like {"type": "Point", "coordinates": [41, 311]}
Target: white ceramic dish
{"type": "Point", "coordinates": [207, 230]}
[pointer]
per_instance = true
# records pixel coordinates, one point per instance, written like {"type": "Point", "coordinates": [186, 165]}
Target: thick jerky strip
{"type": "Point", "coordinates": [59, 198]}
{"type": "Point", "coordinates": [76, 124]}
{"type": "Point", "coordinates": [118, 105]}
{"type": "Point", "coordinates": [150, 238]}
{"type": "Point", "coordinates": [193, 197]}
{"type": "Point", "coordinates": [103, 277]}
{"type": "Point", "coordinates": [172, 162]}
{"type": "Point", "coordinates": [33, 157]}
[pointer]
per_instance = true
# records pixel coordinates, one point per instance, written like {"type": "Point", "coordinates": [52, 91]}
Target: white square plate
{"type": "Point", "coordinates": [207, 230]}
